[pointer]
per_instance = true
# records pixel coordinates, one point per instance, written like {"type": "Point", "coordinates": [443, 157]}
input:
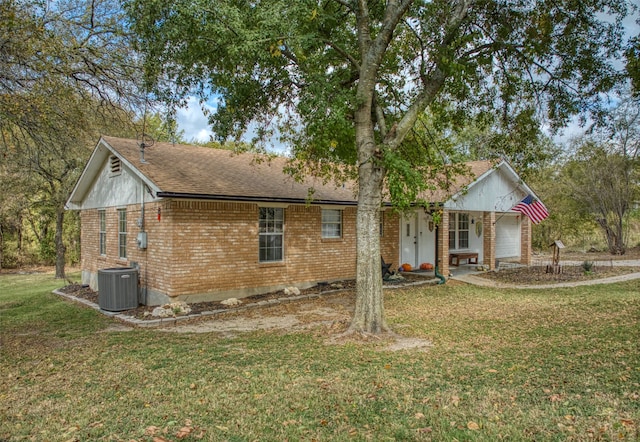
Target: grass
{"type": "Point", "coordinates": [505, 364]}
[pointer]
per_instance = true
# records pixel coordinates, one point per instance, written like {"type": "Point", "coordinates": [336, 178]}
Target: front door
{"type": "Point", "coordinates": [408, 240]}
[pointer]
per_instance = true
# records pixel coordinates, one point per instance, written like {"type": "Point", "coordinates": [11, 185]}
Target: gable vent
{"type": "Point", "coordinates": [115, 165]}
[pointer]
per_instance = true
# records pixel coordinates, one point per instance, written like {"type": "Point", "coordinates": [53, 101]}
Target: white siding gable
{"type": "Point", "coordinates": [496, 191]}
{"type": "Point", "coordinates": [113, 190]}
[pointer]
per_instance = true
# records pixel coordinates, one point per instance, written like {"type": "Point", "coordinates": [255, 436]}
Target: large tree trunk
{"type": "Point", "coordinates": [60, 247]}
{"type": "Point", "coordinates": [369, 310]}
{"type": "Point", "coordinates": [1, 246]}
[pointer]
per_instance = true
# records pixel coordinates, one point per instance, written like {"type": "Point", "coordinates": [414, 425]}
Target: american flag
{"type": "Point", "coordinates": [534, 209]}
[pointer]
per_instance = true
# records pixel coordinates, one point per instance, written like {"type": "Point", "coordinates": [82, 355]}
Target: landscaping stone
{"type": "Point", "coordinates": [231, 302]}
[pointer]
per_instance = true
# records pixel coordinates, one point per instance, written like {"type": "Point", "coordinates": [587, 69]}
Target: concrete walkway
{"type": "Point", "coordinates": [473, 278]}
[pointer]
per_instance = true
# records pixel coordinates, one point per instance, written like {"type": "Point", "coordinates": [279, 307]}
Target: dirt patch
{"type": "Point", "coordinates": [326, 316]}
{"type": "Point", "coordinates": [328, 311]}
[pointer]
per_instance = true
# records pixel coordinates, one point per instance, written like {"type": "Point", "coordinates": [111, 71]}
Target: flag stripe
{"type": "Point", "coordinates": [534, 209]}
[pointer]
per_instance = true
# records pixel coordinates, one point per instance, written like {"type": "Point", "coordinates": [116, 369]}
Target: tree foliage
{"type": "Point", "coordinates": [603, 173]}
{"type": "Point", "coordinates": [346, 81]}
{"type": "Point", "coordinates": [66, 71]}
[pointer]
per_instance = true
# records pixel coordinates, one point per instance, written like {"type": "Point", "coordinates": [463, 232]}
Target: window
{"type": "Point", "coordinates": [102, 219]}
{"type": "Point", "coordinates": [452, 231]}
{"type": "Point", "coordinates": [458, 231]}
{"type": "Point", "coordinates": [271, 233]}
{"type": "Point", "coordinates": [331, 223]}
{"type": "Point", "coordinates": [122, 233]}
{"type": "Point", "coordinates": [463, 230]}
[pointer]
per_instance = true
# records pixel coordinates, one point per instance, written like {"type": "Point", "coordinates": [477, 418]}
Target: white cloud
{"type": "Point", "coordinates": [572, 130]}
{"type": "Point", "coordinates": [193, 121]}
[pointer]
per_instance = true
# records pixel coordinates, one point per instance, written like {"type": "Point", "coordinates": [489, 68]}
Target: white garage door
{"type": "Point", "coordinates": [508, 237]}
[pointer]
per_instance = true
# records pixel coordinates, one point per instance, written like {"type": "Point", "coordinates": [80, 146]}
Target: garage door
{"type": "Point", "coordinates": [508, 237]}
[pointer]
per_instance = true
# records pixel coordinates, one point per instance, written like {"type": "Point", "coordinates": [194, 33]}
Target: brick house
{"type": "Point", "coordinates": [208, 224]}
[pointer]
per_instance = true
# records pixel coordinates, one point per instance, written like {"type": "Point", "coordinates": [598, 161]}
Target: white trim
{"type": "Point", "coordinates": [101, 154]}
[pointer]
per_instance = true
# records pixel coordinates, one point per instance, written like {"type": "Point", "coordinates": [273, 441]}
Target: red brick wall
{"type": "Point", "coordinates": [489, 239]}
{"type": "Point", "coordinates": [200, 248]}
{"type": "Point", "coordinates": [443, 244]}
{"type": "Point", "coordinates": [152, 271]}
{"type": "Point", "coordinates": [390, 240]}
{"type": "Point", "coordinates": [525, 240]}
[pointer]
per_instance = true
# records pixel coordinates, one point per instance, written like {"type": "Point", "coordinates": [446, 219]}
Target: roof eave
{"type": "Point", "coordinates": [255, 199]}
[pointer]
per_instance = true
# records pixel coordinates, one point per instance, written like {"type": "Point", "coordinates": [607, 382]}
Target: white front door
{"type": "Point", "coordinates": [408, 240]}
{"type": "Point", "coordinates": [417, 242]}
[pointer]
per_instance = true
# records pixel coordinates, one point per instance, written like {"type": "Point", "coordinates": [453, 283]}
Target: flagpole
{"type": "Point", "coordinates": [498, 219]}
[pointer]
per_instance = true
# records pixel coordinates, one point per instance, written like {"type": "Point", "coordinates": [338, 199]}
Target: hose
{"type": "Point", "coordinates": [439, 276]}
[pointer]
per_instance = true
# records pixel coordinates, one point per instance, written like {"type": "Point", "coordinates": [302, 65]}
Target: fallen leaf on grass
{"type": "Point", "coordinates": [419, 416]}
{"type": "Point", "coordinates": [160, 439]}
{"type": "Point", "coordinates": [184, 432]}
{"type": "Point", "coordinates": [471, 425]}
{"type": "Point", "coordinates": [628, 423]}
{"type": "Point", "coordinates": [151, 431]}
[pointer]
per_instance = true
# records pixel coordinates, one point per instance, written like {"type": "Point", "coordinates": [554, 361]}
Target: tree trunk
{"type": "Point", "coordinates": [369, 309]}
{"type": "Point", "coordinates": [1, 245]}
{"type": "Point", "coordinates": [60, 247]}
{"type": "Point", "coordinates": [615, 240]}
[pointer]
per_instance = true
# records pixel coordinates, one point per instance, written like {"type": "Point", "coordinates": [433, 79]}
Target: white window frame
{"type": "Point", "coordinates": [459, 231]}
{"type": "Point", "coordinates": [270, 234]}
{"type": "Point", "coordinates": [122, 233]}
{"type": "Point", "coordinates": [102, 232]}
{"type": "Point", "coordinates": [331, 223]}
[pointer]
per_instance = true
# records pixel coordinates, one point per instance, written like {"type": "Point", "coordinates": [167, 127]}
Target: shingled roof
{"type": "Point", "coordinates": [184, 171]}
{"type": "Point", "coordinates": [180, 171]}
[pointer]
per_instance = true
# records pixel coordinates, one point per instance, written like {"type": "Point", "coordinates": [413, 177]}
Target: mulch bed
{"type": "Point", "coordinates": [144, 312]}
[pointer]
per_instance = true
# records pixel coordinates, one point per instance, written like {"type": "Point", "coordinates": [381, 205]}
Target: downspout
{"type": "Point", "coordinates": [143, 286]}
{"type": "Point", "coordinates": [436, 272]}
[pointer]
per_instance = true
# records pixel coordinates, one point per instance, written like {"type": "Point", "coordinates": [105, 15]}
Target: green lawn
{"type": "Point", "coordinates": [506, 364]}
